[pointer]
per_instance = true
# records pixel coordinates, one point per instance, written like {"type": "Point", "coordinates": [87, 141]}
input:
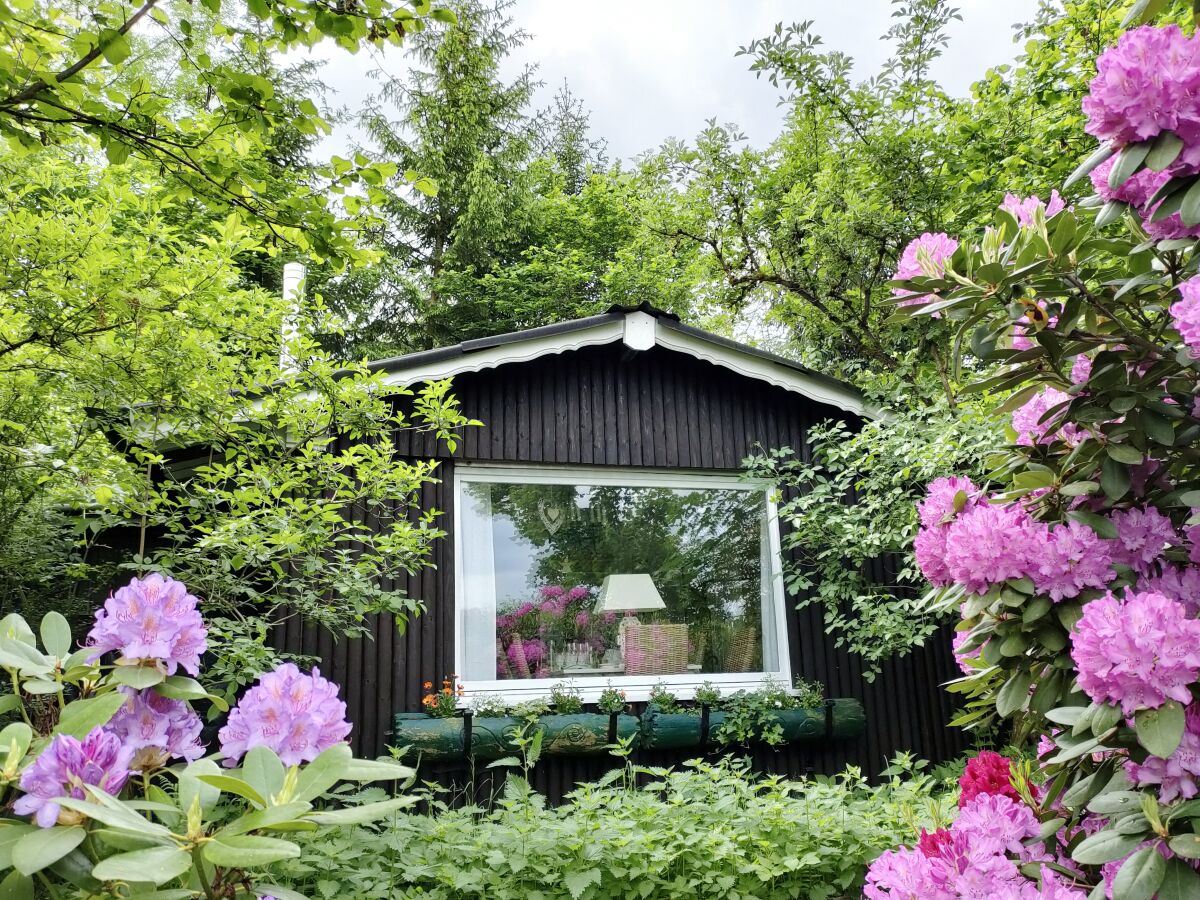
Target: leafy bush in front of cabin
{"type": "Point", "coordinates": [710, 830]}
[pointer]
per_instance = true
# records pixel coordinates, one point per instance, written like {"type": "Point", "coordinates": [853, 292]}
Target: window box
{"type": "Point", "coordinates": [628, 577]}
{"type": "Point", "coordinates": [839, 720]}
{"type": "Point", "coordinates": [578, 734]}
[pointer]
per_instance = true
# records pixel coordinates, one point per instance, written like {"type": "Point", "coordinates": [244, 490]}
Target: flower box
{"type": "Point", "coordinates": [839, 720]}
{"type": "Point", "coordinates": [578, 734]}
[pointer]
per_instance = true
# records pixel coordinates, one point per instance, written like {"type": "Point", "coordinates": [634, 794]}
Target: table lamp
{"type": "Point", "coordinates": [634, 592]}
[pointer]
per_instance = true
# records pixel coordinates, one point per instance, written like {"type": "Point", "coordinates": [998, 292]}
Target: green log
{"type": "Point", "coordinates": [667, 731]}
{"type": "Point", "coordinates": [492, 738]}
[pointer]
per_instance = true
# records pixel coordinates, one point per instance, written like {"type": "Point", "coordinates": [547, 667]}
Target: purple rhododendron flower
{"type": "Point", "coordinates": [1081, 369]}
{"type": "Point", "coordinates": [64, 767]}
{"type": "Point", "coordinates": [1142, 536]}
{"type": "Point", "coordinates": [929, 547]}
{"type": "Point", "coordinates": [295, 714]}
{"type": "Point", "coordinates": [151, 618]}
{"type": "Point", "coordinates": [1033, 426]}
{"type": "Point", "coordinates": [1139, 653]}
{"type": "Point", "coordinates": [1024, 208]}
{"type": "Point", "coordinates": [1137, 191]}
{"type": "Point", "coordinates": [1185, 314]}
{"type": "Point", "coordinates": [157, 729]}
{"type": "Point", "coordinates": [1179, 583]}
{"type": "Point", "coordinates": [1178, 776]}
{"type": "Point", "coordinates": [924, 256]}
{"type": "Point", "coordinates": [1147, 84]}
{"type": "Point", "coordinates": [991, 544]}
{"type": "Point", "coordinates": [938, 506]}
{"type": "Point", "coordinates": [1075, 559]}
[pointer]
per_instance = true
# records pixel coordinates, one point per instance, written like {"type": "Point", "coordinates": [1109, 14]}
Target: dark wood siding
{"type": "Point", "coordinates": [608, 406]}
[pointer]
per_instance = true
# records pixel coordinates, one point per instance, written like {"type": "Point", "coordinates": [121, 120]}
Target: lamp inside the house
{"type": "Point", "coordinates": [629, 593]}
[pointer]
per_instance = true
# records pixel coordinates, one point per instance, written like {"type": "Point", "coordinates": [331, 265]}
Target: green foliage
{"type": "Point", "coordinates": [850, 507]}
{"type": "Point", "coordinates": [611, 701]}
{"type": "Point", "coordinates": [195, 828]}
{"type": "Point", "coordinates": [750, 715]}
{"type": "Point", "coordinates": [566, 699]}
{"type": "Point", "coordinates": [708, 831]}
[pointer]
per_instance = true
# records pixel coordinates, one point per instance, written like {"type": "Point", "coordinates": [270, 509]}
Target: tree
{"type": "Point", "coordinates": [565, 139]}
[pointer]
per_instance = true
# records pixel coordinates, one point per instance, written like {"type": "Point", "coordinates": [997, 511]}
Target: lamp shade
{"type": "Point", "coordinates": [635, 592]}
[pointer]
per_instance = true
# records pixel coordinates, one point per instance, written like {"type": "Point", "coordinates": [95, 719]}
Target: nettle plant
{"type": "Point", "coordinates": [106, 789]}
{"type": "Point", "coordinates": [1076, 569]}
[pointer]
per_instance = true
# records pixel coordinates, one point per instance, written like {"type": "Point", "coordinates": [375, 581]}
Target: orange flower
{"type": "Point", "coordinates": [447, 691]}
{"type": "Point", "coordinates": [428, 685]}
{"type": "Point", "coordinates": [428, 700]}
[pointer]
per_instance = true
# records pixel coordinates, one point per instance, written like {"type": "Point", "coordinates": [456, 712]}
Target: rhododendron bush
{"type": "Point", "coordinates": [106, 787]}
{"type": "Point", "coordinates": [1076, 566]}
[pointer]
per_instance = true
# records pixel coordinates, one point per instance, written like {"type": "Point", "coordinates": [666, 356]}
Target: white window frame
{"type": "Point", "coordinates": [636, 687]}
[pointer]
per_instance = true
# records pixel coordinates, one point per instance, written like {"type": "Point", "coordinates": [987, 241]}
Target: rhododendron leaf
{"type": "Point", "coordinates": [121, 839]}
{"type": "Point", "coordinates": [191, 787]}
{"type": "Point", "coordinates": [1186, 845]}
{"type": "Point", "coordinates": [378, 770]}
{"type": "Point", "coordinates": [1166, 149]}
{"type": "Point", "coordinates": [1102, 526]}
{"type": "Point", "coordinates": [16, 886]}
{"type": "Point", "coordinates": [38, 849]}
{"type": "Point", "coordinates": [361, 815]}
{"type": "Point", "coordinates": [1079, 488]}
{"type": "Point", "coordinates": [279, 893]}
{"type": "Point", "coordinates": [1082, 792]}
{"type": "Point", "coordinates": [267, 818]}
{"type": "Point", "coordinates": [1160, 730]}
{"type": "Point", "coordinates": [1110, 212]}
{"type": "Point", "coordinates": [1073, 748]}
{"type": "Point", "coordinates": [1084, 723]}
{"type": "Point", "coordinates": [1125, 454]}
{"type": "Point", "coordinates": [1105, 717]}
{"type": "Point", "coordinates": [1014, 695]}
{"type": "Point", "coordinates": [1036, 608]}
{"type": "Point", "coordinates": [138, 677]}
{"type": "Point", "coordinates": [1104, 846]}
{"type": "Point", "coordinates": [263, 770]}
{"type": "Point", "coordinates": [1114, 479]}
{"type": "Point", "coordinates": [1141, 12]}
{"type": "Point", "coordinates": [1066, 715]}
{"type": "Point", "coordinates": [79, 717]}
{"type": "Point", "coordinates": [1180, 882]}
{"type": "Point", "coordinates": [323, 772]}
{"type": "Point", "coordinates": [157, 865]}
{"type": "Point", "coordinates": [1014, 645]}
{"type": "Point", "coordinates": [56, 634]}
{"type": "Point", "coordinates": [1051, 637]}
{"type": "Point", "coordinates": [1129, 161]}
{"type": "Point", "coordinates": [1140, 875]}
{"type": "Point", "coordinates": [1115, 802]}
{"type": "Point", "coordinates": [1099, 155]}
{"type": "Point", "coordinates": [1189, 209]}
{"type": "Point", "coordinates": [237, 786]}
{"type": "Point", "coordinates": [10, 833]}
{"type": "Point", "coordinates": [240, 851]}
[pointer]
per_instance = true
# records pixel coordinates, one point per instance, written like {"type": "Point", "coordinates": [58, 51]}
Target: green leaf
{"type": "Point", "coordinates": [1185, 845]}
{"type": "Point", "coordinates": [1128, 161]}
{"type": "Point", "coordinates": [279, 893]}
{"type": "Point", "coordinates": [157, 865]}
{"type": "Point", "coordinates": [1189, 210]}
{"type": "Point", "coordinates": [233, 785]}
{"type": "Point", "coordinates": [1102, 525]}
{"type": "Point", "coordinates": [1160, 730]}
{"type": "Point", "coordinates": [118, 816]}
{"type": "Point", "coordinates": [56, 634]}
{"type": "Point", "coordinates": [323, 772]}
{"type": "Point", "coordinates": [138, 677]}
{"type": "Point", "coordinates": [1015, 693]}
{"type": "Point", "coordinates": [114, 45]}
{"type": "Point", "coordinates": [1141, 12]}
{"type": "Point", "coordinates": [16, 887]}
{"type": "Point", "coordinates": [38, 849]}
{"type": "Point", "coordinates": [1114, 479]}
{"type": "Point", "coordinates": [262, 769]}
{"type": "Point", "coordinates": [377, 770]}
{"type": "Point", "coordinates": [240, 851]}
{"type": "Point", "coordinates": [79, 717]}
{"type": "Point", "coordinates": [1124, 453]}
{"type": "Point", "coordinates": [361, 815]}
{"type": "Point", "coordinates": [266, 818]}
{"type": "Point", "coordinates": [1180, 882]}
{"type": "Point", "coordinates": [1105, 846]}
{"type": "Point", "coordinates": [1103, 152]}
{"type": "Point", "coordinates": [1140, 875]}
{"type": "Point", "coordinates": [578, 881]}
{"type": "Point", "coordinates": [10, 833]}
{"type": "Point", "coordinates": [1110, 212]}
{"type": "Point", "coordinates": [1167, 147]}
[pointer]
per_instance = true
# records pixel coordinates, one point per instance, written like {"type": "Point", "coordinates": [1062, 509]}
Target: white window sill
{"type": "Point", "coordinates": [636, 688]}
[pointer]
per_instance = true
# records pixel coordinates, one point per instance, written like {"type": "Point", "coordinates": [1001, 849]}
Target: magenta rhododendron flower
{"type": "Point", "coordinates": [293, 713]}
{"type": "Point", "coordinates": [151, 618]}
{"type": "Point", "coordinates": [1024, 208]}
{"type": "Point", "coordinates": [1033, 426]}
{"type": "Point", "coordinates": [1147, 84]}
{"type": "Point", "coordinates": [1074, 560]}
{"type": "Point", "coordinates": [1081, 369]}
{"type": "Point", "coordinates": [991, 544]}
{"type": "Point", "coordinates": [987, 773]}
{"type": "Point", "coordinates": [1178, 776]}
{"type": "Point", "coordinates": [938, 506]}
{"type": "Point", "coordinates": [1185, 314]}
{"type": "Point", "coordinates": [1180, 583]}
{"type": "Point", "coordinates": [1138, 653]}
{"type": "Point", "coordinates": [929, 547]}
{"type": "Point", "coordinates": [64, 767]}
{"type": "Point", "coordinates": [1142, 536]}
{"type": "Point", "coordinates": [1137, 191]}
{"type": "Point", "coordinates": [924, 256]}
{"type": "Point", "coordinates": [157, 729]}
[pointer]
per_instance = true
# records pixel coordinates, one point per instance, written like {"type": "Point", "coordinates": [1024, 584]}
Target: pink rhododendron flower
{"type": "Point", "coordinates": [924, 256]}
{"type": "Point", "coordinates": [1142, 536]}
{"type": "Point", "coordinates": [157, 729]}
{"type": "Point", "coordinates": [64, 767]}
{"type": "Point", "coordinates": [1178, 776]}
{"type": "Point", "coordinates": [1137, 191]}
{"type": "Point", "coordinates": [151, 618]}
{"type": "Point", "coordinates": [1147, 84]}
{"type": "Point", "coordinates": [1024, 208]}
{"type": "Point", "coordinates": [1138, 653]}
{"type": "Point", "coordinates": [938, 506]}
{"type": "Point", "coordinates": [929, 547]}
{"type": "Point", "coordinates": [991, 544]}
{"type": "Point", "coordinates": [1180, 583]}
{"type": "Point", "coordinates": [1074, 560]}
{"type": "Point", "coordinates": [1081, 369]}
{"type": "Point", "coordinates": [1185, 314]}
{"type": "Point", "coordinates": [295, 714]}
{"type": "Point", "coordinates": [987, 773]}
{"type": "Point", "coordinates": [1033, 426]}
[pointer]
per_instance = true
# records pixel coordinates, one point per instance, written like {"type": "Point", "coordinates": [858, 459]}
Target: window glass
{"type": "Point", "coordinates": [571, 581]}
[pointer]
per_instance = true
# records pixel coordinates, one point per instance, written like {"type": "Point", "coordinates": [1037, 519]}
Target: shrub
{"type": "Point", "coordinates": [707, 831]}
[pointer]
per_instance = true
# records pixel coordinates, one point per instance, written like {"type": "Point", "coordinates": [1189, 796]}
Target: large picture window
{"type": "Point", "coordinates": [630, 577]}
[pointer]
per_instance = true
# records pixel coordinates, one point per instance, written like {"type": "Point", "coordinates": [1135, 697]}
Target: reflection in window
{"type": "Point", "coordinates": [602, 580]}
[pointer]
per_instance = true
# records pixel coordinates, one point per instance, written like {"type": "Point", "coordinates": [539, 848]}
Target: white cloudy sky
{"type": "Point", "coordinates": [653, 69]}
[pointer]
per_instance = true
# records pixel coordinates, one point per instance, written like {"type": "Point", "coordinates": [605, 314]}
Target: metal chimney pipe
{"type": "Point", "coordinates": [293, 296]}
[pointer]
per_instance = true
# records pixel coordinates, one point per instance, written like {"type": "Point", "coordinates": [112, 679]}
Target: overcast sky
{"type": "Point", "coordinates": [654, 69]}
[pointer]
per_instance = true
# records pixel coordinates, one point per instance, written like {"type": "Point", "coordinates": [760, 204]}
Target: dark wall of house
{"type": "Point", "coordinates": [608, 406]}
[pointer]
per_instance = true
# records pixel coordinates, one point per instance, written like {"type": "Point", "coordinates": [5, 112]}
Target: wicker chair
{"type": "Point", "coordinates": [743, 649]}
{"type": "Point", "coordinates": [656, 649]}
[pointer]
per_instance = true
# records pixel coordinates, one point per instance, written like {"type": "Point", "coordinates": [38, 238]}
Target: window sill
{"type": "Point", "coordinates": [636, 688]}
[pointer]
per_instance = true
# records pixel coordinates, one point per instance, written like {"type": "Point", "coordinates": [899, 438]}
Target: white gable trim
{"type": "Point", "coordinates": [637, 331]}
